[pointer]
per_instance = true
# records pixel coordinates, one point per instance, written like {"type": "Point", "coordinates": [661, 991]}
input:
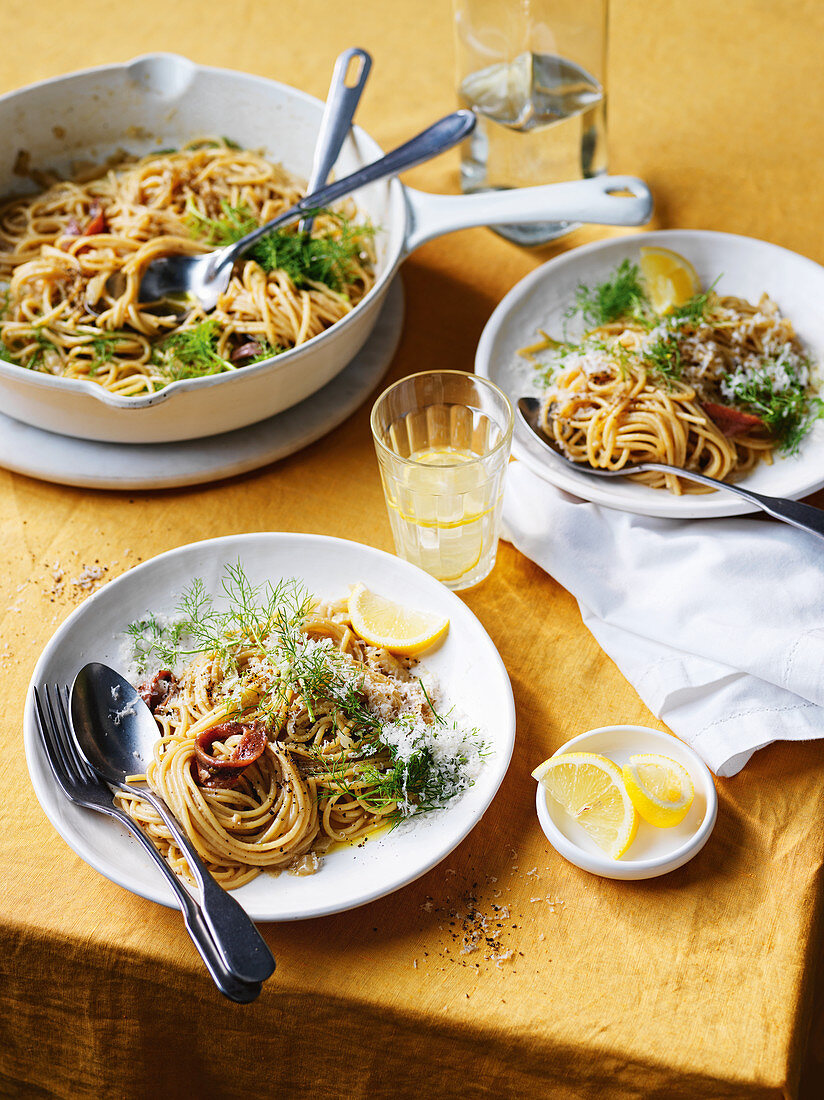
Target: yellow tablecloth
{"type": "Point", "coordinates": [698, 984]}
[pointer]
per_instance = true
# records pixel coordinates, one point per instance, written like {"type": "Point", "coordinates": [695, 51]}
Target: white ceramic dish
{"type": "Point", "coordinates": [92, 464]}
{"type": "Point", "coordinates": [163, 100]}
{"type": "Point", "coordinates": [466, 665]}
{"type": "Point", "coordinates": [653, 852]}
{"type": "Point", "coordinates": [743, 266]}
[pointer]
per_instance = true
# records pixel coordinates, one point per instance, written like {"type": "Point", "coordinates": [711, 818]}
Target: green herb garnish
{"type": "Point", "coordinates": [329, 260]}
{"type": "Point", "coordinates": [694, 311]}
{"type": "Point", "coordinates": [620, 297]}
{"type": "Point", "coordinates": [267, 351]}
{"type": "Point", "coordinates": [236, 222]}
{"type": "Point", "coordinates": [664, 357]}
{"type": "Point", "coordinates": [191, 352]}
{"type": "Point", "coordinates": [44, 344]}
{"type": "Point", "coordinates": [788, 411]}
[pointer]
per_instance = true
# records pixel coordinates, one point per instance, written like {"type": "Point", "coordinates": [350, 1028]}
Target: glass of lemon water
{"type": "Point", "coordinates": [443, 441]}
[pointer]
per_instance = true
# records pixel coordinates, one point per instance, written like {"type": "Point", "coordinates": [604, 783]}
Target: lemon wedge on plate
{"type": "Point", "coordinates": [400, 629]}
{"type": "Point", "coordinates": [661, 789]}
{"type": "Point", "coordinates": [590, 788]}
{"type": "Point", "coordinates": [669, 279]}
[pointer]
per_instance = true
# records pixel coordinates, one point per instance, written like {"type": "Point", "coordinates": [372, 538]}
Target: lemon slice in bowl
{"type": "Point", "coordinates": [399, 629]}
{"type": "Point", "coordinates": [669, 279]}
{"type": "Point", "coordinates": [590, 788]}
{"type": "Point", "coordinates": [661, 789]}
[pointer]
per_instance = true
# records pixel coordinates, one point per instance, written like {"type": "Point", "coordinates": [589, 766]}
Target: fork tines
{"type": "Point", "coordinates": [53, 720]}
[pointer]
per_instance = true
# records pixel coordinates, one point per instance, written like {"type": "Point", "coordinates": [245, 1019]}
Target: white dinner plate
{"type": "Point", "coordinates": [466, 666]}
{"type": "Point", "coordinates": [744, 267]}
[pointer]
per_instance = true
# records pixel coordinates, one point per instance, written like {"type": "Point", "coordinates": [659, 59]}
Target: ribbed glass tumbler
{"type": "Point", "coordinates": [443, 440]}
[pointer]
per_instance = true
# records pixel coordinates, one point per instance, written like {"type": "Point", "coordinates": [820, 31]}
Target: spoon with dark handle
{"type": "Point", "coordinates": [206, 276]}
{"type": "Point", "coordinates": [341, 103]}
{"type": "Point", "coordinates": [789, 511]}
{"type": "Point", "coordinates": [116, 733]}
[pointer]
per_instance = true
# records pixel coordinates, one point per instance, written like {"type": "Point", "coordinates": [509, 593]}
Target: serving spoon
{"type": "Point", "coordinates": [341, 103]}
{"type": "Point", "coordinates": [789, 511]}
{"type": "Point", "coordinates": [116, 733]}
{"type": "Point", "coordinates": [207, 276]}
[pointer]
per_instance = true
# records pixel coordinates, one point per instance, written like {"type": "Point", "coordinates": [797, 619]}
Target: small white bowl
{"type": "Point", "coordinates": [654, 851]}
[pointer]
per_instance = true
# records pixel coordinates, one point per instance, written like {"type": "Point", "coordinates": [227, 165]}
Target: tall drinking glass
{"type": "Point", "coordinates": [442, 440]}
{"type": "Point", "coordinates": [534, 72]}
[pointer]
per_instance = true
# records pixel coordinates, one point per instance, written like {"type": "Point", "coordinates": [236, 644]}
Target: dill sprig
{"type": "Point", "coordinates": [620, 297]}
{"type": "Point", "coordinates": [267, 351]}
{"type": "Point", "coordinates": [417, 781]}
{"type": "Point", "coordinates": [191, 352]}
{"type": "Point", "coordinates": [663, 357]}
{"type": "Point", "coordinates": [788, 411]}
{"type": "Point", "coordinates": [694, 311]}
{"type": "Point", "coordinates": [235, 223]}
{"type": "Point", "coordinates": [103, 346]}
{"type": "Point", "coordinates": [327, 259]}
{"type": "Point", "coordinates": [153, 639]}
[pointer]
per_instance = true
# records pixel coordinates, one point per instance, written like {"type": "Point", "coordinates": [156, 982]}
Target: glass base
{"type": "Point", "coordinates": [532, 235]}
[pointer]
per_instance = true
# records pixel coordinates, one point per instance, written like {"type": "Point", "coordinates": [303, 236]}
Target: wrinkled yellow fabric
{"type": "Point", "coordinates": [698, 984]}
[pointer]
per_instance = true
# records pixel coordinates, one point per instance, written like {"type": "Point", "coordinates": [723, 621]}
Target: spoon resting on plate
{"type": "Point", "coordinates": [116, 733]}
{"type": "Point", "coordinates": [789, 511]}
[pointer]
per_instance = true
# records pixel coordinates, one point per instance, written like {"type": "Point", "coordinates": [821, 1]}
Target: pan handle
{"type": "Point", "coordinates": [603, 200]}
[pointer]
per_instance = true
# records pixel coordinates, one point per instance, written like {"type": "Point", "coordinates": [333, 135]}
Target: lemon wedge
{"type": "Point", "coordinates": [400, 629]}
{"type": "Point", "coordinates": [670, 280]}
{"type": "Point", "coordinates": [590, 788]}
{"type": "Point", "coordinates": [660, 788]}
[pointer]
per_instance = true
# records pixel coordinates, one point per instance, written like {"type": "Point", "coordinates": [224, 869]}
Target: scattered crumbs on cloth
{"type": "Point", "coordinates": [89, 576]}
{"type": "Point", "coordinates": [479, 930]}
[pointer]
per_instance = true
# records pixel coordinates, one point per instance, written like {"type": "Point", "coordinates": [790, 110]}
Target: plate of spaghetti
{"type": "Point", "coordinates": [716, 367]}
{"type": "Point", "coordinates": [315, 770]}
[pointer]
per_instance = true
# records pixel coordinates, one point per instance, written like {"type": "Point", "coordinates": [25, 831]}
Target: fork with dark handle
{"type": "Point", "coordinates": [81, 786]}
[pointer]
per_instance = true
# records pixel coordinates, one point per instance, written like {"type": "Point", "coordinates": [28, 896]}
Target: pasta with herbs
{"type": "Point", "coordinates": [73, 257]}
{"type": "Point", "coordinates": [715, 385]}
{"type": "Point", "coordinates": [288, 734]}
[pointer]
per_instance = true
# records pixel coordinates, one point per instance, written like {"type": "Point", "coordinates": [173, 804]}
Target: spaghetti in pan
{"type": "Point", "coordinates": [72, 258]}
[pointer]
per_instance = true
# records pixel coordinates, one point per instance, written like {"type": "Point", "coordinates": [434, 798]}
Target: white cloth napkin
{"type": "Point", "coordinates": [718, 624]}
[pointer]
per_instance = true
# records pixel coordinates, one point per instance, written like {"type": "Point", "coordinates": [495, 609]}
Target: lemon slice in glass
{"type": "Point", "coordinates": [661, 789]}
{"type": "Point", "coordinates": [400, 629]}
{"type": "Point", "coordinates": [590, 788]}
{"type": "Point", "coordinates": [669, 279]}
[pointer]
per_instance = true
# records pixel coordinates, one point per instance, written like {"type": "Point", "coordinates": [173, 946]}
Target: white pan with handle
{"type": "Point", "coordinates": [162, 100]}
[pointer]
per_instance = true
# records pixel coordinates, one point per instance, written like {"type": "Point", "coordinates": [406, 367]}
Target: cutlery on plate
{"type": "Point", "coordinates": [342, 101]}
{"type": "Point", "coordinates": [789, 511]}
{"type": "Point", "coordinates": [206, 276]}
{"type": "Point", "coordinates": [116, 732]}
{"type": "Point", "coordinates": [82, 787]}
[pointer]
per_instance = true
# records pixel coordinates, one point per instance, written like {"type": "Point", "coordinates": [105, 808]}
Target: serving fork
{"type": "Point", "coordinates": [82, 787]}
